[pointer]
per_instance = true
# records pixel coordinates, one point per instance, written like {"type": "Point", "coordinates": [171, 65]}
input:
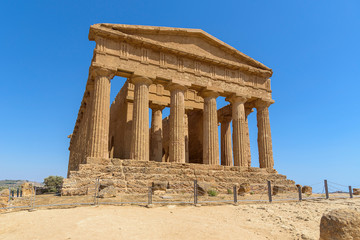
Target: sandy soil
{"type": "Point", "coordinates": [296, 220]}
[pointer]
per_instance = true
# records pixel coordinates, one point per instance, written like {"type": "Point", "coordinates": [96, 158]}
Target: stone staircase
{"type": "Point", "coordinates": [130, 176]}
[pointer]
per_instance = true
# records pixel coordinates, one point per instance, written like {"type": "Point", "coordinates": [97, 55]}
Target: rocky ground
{"type": "Point", "coordinates": [291, 220]}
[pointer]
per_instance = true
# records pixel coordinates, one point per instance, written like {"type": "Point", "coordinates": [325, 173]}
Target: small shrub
{"type": "Point", "coordinates": [229, 191]}
{"type": "Point", "coordinates": [252, 193]}
{"type": "Point", "coordinates": [212, 193]}
{"type": "Point", "coordinates": [53, 183]}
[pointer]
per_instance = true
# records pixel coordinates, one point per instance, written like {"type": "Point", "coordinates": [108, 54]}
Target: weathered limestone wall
{"type": "Point", "coordinates": [130, 176]}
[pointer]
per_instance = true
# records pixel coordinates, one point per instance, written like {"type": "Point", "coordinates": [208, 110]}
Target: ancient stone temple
{"type": "Point", "coordinates": [185, 70]}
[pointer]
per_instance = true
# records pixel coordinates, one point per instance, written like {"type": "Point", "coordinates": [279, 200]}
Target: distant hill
{"type": "Point", "coordinates": [16, 183]}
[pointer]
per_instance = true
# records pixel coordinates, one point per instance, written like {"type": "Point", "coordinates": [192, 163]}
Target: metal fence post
{"type": "Point", "coordinates": [9, 194]}
{"type": "Point", "coordinates": [235, 194]}
{"type": "Point", "coordinates": [150, 196]}
{"type": "Point", "coordinates": [96, 190]}
{"type": "Point", "coordinates": [300, 193]}
{"type": "Point", "coordinates": [326, 189]}
{"type": "Point", "coordinates": [150, 192]}
{"type": "Point", "coordinates": [195, 192]}
{"type": "Point", "coordinates": [269, 191]}
{"type": "Point", "coordinates": [350, 192]}
{"type": "Point", "coordinates": [17, 192]}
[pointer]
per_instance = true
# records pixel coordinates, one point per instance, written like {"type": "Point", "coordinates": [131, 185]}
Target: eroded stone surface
{"type": "Point", "coordinates": [341, 224]}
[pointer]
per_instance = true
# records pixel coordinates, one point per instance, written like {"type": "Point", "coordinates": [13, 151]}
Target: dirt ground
{"type": "Point", "coordinates": [278, 220]}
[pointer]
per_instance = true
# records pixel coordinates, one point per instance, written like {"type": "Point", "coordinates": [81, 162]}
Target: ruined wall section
{"type": "Point", "coordinates": [129, 176]}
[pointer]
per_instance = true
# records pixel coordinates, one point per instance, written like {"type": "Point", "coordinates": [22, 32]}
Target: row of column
{"type": "Point", "coordinates": [99, 126]}
{"type": "Point", "coordinates": [240, 137]}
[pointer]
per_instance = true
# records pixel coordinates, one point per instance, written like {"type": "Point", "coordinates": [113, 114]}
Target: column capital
{"type": "Point", "coordinates": [225, 118]}
{"type": "Point", "coordinates": [262, 103]}
{"type": "Point", "coordinates": [237, 98]}
{"type": "Point", "coordinates": [155, 106]}
{"type": "Point", "coordinates": [210, 92]}
{"type": "Point", "coordinates": [103, 72]}
{"type": "Point", "coordinates": [136, 79]}
{"type": "Point", "coordinates": [176, 86]}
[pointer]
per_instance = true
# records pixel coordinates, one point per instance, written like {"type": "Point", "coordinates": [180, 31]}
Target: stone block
{"type": "Point", "coordinates": [27, 189]}
{"type": "Point", "coordinates": [203, 188]}
{"type": "Point", "coordinates": [356, 191]}
{"type": "Point", "coordinates": [244, 188]}
{"type": "Point", "coordinates": [306, 190]}
{"type": "Point", "coordinates": [108, 192]}
{"type": "Point", "coordinates": [116, 161]}
{"type": "Point", "coordinates": [340, 224]}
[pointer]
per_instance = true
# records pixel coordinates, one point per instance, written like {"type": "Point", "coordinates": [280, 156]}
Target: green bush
{"type": "Point", "coordinates": [229, 191]}
{"type": "Point", "coordinates": [53, 183]}
{"type": "Point", "coordinates": [212, 193]}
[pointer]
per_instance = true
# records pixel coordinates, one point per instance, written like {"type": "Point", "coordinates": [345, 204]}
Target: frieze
{"type": "Point", "coordinates": [181, 64]}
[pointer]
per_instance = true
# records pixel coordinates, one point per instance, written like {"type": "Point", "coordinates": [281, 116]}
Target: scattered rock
{"type": "Point", "coordinates": [108, 192]}
{"type": "Point", "coordinates": [356, 191]}
{"type": "Point", "coordinates": [278, 189]}
{"type": "Point", "coordinates": [340, 224]}
{"type": "Point", "coordinates": [244, 188]}
{"type": "Point", "coordinates": [306, 190]}
{"type": "Point", "coordinates": [203, 188]}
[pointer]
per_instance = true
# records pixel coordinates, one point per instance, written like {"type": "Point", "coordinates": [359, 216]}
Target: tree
{"type": "Point", "coordinates": [53, 183]}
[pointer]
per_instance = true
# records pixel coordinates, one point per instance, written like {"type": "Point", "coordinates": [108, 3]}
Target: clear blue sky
{"type": "Point", "coordinates": [313, 48]}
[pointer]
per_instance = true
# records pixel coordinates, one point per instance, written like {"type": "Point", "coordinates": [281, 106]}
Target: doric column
{"type": "Point", "coordinates": [156, 134]}
{"type": "Point", "coordinates": [264, 134]}
{"type": "Point", "coordinates": [248, 150]}
{"type": "Point", "coordinates": [177, 112]}
{"type": "Point", "coordinates": [140, 125]}
{"type": "Point", "coordinates": [100, 114]}
{"type": "Point", "coordinates": [210, 129]}
{"type": "Point", "coordinates": [239, 131]}
{"type": "Point", "coordinates": [226, 146]}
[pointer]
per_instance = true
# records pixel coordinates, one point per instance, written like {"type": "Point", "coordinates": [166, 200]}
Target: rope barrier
{"type": "Point", "coordinates": [337, 184]}
{"type": "Point", "coordinates": [182, 193]}
{"type": "Point", "coordinates": [314, 184]}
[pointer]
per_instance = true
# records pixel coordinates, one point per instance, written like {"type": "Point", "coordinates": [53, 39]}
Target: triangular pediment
{"type": "Point", "coordinates": [192, 41]}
